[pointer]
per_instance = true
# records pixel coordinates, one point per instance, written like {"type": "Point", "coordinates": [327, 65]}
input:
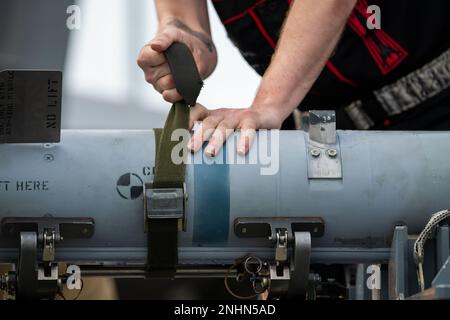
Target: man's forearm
{"type": "Point", "coordinates": [310, 34]}
{"type": "Point", "coordinates": [193, 13]}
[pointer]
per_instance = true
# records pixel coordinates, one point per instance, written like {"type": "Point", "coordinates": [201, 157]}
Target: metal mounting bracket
{"type": "Point", "coordinates": [37, 274]}
{"type": "Point", "coordinates": [291, 278]}
{"type": "Point", "coordinates": [267, 227]}
{"type": "Point", "coordinates": [322, 144]}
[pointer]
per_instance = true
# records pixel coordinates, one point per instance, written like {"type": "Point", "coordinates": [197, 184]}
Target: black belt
{"type": "Point", "coordinates": [400, 97]}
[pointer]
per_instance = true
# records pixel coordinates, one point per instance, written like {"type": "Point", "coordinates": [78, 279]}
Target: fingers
{"type": "Point", "coordinates": [153, 53]}
{"type": "Point", "coordinates": [166, 86]}
{"type": "Point", "coordinates": [223, 131]}
{"type": "Point", "coordinates": [158, 72]}
{"type": "Point", "coordinates": [172, 95]}
{"type": "Point", "coordinates": [218, 125]}
{"type": "Point", "coordinates": [197, 113]}
{"type": "Point", "coordinates": [153, 64]}
{"type": "Point", "coordinates": [165, 83]}
{"type": "Point", "coordinates": [245, 141]}
{"type": "Point", "coordinates": [203, 133]}
{"type": "Point", "coordinates": [156, 69]}
{"type": "Point", "coordinates": [248, 126]}
{"type": "Point", "coordinates": [162, 80]}
{"type": "Point", "coordinates": [149, 58]}
{"type": "Point", "coordinates": [163, 40]}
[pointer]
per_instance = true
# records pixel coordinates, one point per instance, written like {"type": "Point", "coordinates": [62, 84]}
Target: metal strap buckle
{"type": "Point", "coordinates": [164, 203]}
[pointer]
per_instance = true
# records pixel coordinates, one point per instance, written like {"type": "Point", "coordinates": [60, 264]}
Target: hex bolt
{"type": "Point", "coordinates": [332, 153]}
{"type": "Point", "coordinates": [315, 152]}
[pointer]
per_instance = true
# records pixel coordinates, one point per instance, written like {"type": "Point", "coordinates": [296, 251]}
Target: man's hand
{"type": "Point", "coordinates": [218, 125]}
{"type": "Point", "coordinates": [154, 64]}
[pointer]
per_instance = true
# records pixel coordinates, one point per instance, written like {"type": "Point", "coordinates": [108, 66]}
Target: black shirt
{"type": "Point", "coordinates": [412, 33]}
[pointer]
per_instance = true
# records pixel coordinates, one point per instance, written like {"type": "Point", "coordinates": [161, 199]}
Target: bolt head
{"type": "Point", "coordinates": [315, 152]}
{"type": "Point", "coordinates": [332, 153]}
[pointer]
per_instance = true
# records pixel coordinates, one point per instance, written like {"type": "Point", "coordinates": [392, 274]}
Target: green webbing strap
{"type": "Point", "coordinates": [167, 173]}
{"type": "Point", "coordinates": [163, 233]}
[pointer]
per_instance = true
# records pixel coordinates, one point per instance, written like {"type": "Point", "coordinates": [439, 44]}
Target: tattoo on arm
{"type": "Point", "coordinates": [199, 35]}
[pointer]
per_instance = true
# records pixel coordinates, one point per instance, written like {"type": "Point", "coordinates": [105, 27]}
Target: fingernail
{"type": "Point", "coordinates": [190, 145]}
{"type": "Point", "coordinates": [210, 151]}
{"type": "Point", "coordinates": [241, 150]}
{"type": "Point", "coordinates": [156, 45]}
{"type": "Point", "coordinates": [194, 145]}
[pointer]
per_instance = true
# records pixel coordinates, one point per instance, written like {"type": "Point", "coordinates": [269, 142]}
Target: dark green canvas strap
{"type": "Point", "coordinates": [163, 232]}
{"type": "Point", "coordinates": [167, 173]}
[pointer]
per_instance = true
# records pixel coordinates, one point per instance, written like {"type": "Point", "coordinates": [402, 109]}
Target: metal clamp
{"type": "Point", "coordinates": [281, 246]}
{"type": "Point", "coordinates": [292, 278]}
{"type": "Point", "coordinates": [49, 241]}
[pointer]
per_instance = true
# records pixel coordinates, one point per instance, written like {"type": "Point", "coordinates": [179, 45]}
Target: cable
{"type": "Point", "coordinates": [419, 252]}
{"type": "Point", "coordinates": [81, 290]}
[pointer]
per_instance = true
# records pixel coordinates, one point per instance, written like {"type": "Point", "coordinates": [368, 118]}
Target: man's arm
{"type": "Point", "coordinates": [183, 21]}
{"type": "Point", "coordinates": [310, 34]}
{"type": "Point", "coordinates": [308, 39]}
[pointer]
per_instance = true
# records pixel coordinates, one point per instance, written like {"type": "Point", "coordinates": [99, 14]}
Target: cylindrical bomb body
{"type": "Point", "coordinates": [388, 178]}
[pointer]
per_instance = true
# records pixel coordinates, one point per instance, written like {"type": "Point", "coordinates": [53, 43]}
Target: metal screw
{"type": "Point", "coordinates": [332, 153]}
{"type": "Point", "coordinates": [49, 157]}
{"type": "Point", "coordinates": [315, 152]}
